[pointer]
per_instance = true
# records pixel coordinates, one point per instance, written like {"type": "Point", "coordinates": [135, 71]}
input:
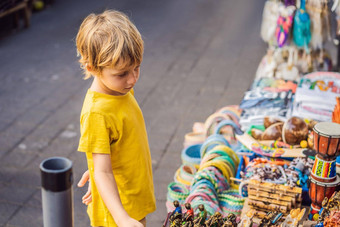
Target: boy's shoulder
{"type": "Point", "coordinates": [95, 104]}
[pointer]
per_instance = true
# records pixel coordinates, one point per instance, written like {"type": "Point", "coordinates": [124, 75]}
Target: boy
{"type": "Point", "coordinates": [113, 133]}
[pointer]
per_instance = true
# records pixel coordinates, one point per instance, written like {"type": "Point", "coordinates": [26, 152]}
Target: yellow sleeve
{"type": "Point", "coordinates": [94, 136]}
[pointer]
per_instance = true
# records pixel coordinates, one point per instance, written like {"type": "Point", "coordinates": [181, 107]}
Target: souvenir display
{"type": "Point", "coordinates": [315, 96]}
{"type": "Point", "coordinates": [274, 160]}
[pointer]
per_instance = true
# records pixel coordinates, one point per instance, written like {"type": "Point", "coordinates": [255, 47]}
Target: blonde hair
{"type": "Point", "coordinates": [108, 39]}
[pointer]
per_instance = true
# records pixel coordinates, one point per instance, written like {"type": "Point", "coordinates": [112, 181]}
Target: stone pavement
{"type": "Point", "coordinates": [200, 55]}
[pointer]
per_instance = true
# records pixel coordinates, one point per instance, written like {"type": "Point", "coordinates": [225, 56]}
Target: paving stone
{"type": "Point", "coordinates": [6, 211]}
{"type": "Point", "coordinates": [16, 194]}
{"type": "Point", "coordinates": [160, 214]}
{"type": "Point", "coordinates": [27, 216]}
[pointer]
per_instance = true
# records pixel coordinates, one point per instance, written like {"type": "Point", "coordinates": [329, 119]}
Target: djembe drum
{"type": "Point", "coordinates": [323, 179]}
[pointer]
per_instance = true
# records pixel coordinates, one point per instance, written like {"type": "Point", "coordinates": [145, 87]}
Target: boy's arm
{"type": "Point", "coordinates": [107, 187]}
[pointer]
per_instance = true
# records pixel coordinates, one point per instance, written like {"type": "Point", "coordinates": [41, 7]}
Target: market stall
{"type": "Point", "coordinates": [272, 159]}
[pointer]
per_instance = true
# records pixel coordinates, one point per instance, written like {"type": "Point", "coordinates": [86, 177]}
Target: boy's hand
{"type": "Point", "coordinates": [87, 198]}
{"type": "Point", "coordinates": [130, 222]}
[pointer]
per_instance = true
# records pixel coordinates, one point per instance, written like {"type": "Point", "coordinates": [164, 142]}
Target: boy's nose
{"type": "Point", "coordinates": [133, 78]}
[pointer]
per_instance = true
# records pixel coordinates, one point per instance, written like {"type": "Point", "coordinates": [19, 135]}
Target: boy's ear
{"type": "Point", "coordinates": [89, 68]}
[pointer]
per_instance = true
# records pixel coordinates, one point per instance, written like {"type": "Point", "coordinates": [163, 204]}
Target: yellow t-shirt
{"type": "Point", "coordinates": [115, 125]}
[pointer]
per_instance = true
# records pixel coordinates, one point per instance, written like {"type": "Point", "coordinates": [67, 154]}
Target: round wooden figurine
{"type": "Point", "coordinates": [176, 214]}
{"type": "Point", "coordinates": [215, 220]}
{"type": "Point", "coordinates": [201, 217]}
{"type": "Point", "coordinates": [230, 221]}
{"type": "Point", "coordinates": [188, 217]}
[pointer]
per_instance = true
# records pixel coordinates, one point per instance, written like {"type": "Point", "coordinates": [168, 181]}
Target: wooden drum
{"type": "Point", "coordinates": [323, 171]}
{"type": "Point", "coordinates": [319, 190]}
{"type": "Point", "coordinates": [327, 139]}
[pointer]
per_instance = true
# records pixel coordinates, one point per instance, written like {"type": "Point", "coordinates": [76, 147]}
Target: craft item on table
{"type": "Point", "coordinates": [298, 171]}
{"type": "Point", "coordinates": [185, 174]}
{"type": "Point", "coordinates": [256, 133]}
{"type": "Point", "coordinates": [177, 213]}
{"type": "Point", "coordinates": [273, 132]}
{"type": "Point", "coordinates": [318, 191]}
{"type": "Point", "coordinates": [214, 176]}
{"type": "Point", "coordinates": [294, 131]}
{"type": "Point", "coordinates": [203, 192]}
{"type": "Point", "coordinates": [247, 219]}
{"type": "Point", "coordinates": [210, 184]}
{"type": "Point", "coordinates": [188, 218]}
{"type": "Point", "coordinates": [176, 191]}
{"type": "Point", "coordinates": [221, 151]}
{"type": "Point", "coordinates": [230, 201]}
{"type": "Point", "coordinates": [336, 111]}
{"type": "Point", "coordinates": [329, 209]}
{"type": "Point", "coordinates": [191, 155]}
{"type": "Point", "coordinates": [198, 127]}
{"type": "Point", "coordinates": [193, 138]}
{"type": "Point", "coordinates": [315, 97]}
{"type": "Point", "coordinates": [324, 171]}
{"type": "Point", "coordinates": [338, 165]}
{"type": "Point", "coordinates": [310, 140]}
{"type": "Point", "coordinates": [323, 180]}
{"type": "Point", "coordinates": [230, 221]}
{"type": "Point", "coordinates": [233, 111]}
{"type": "Point", "coordinates": [274, 85]}
{"type": "Point", "coordinates": [327, 139]}
{"type": "Point", "coordinates": [280, 144]}
{"type": "Point", "coordinates": [212, 121]}
{"type": "Point", "coordinates": [226, 113]}
{"type": "Point", "coordinates": [264, 170]}
{"type": "Point", "coordinates": [269, 120]}
{"type": "Point", "coordinates": [258, 103]}
{"type": "Point", "coordinates": [270, 219]}
{"type": "Point", "coordinates": [284, 24]}
{"type": "Point", "coordinates": [202, 130]}
{"type": "Point", "coordinates": [201, 217]}
{"type": "Point", "coordinates": [264, 196]}
{"type": "Point", "coordinates": [333, 219]}
{"type": "Point", "coordinates": [211, 142]}
{"type": "Point", "coordinates": [301, 28]}
{"type": "Point", "coordinates": [294, 217]}
{"type": "Point", "coordinates": [268, 151]}
{"type": "Point", "coordinates": [230, 136]}
{"type": "Point", "coordinates": [215, 220]}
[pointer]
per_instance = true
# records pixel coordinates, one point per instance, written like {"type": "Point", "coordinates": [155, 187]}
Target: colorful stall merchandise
{"type": "Point", "coordinates": [264, 196]}
{"type": "Point", "coordinates": [316, 96]}
{"type": "Point", "coordinates": [323, 180]}
{"type": "Point", "coordinates": [329, 214]}
{"type": "Point", "coordinates": [187, 218]}
{"type": "Point", "coordinates": [272, 160]}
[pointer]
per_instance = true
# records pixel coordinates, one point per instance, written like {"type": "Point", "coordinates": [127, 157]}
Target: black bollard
{"type": "Point", "coordinates": [56, 190]}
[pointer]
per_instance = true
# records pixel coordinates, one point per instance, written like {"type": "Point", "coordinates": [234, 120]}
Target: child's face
{"type": "Point", "coordinates": [118, 82]}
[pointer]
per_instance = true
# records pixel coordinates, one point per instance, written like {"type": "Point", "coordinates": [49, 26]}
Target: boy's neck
{"type": "Point", "coordinates": [99, 87]}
